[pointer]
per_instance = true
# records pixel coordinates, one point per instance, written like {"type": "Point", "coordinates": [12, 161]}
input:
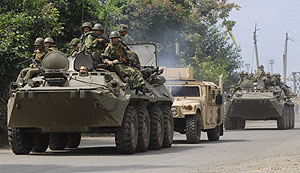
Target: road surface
{"type": "Point", "coordinates": [258, 148]}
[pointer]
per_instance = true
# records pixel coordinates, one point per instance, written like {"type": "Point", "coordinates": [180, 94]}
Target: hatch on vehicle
{"type": "Point", "coordinates": [146, 53]}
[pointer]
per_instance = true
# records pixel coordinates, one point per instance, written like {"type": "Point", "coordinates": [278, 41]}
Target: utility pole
{"type": "Point", "coordinates": [271, 62]}
{"type": "Point", "coordinates": [285, 57]}
{"type": "Point", "coordinates": [255, 45]}
{"type": "Point", "coordinates": [247, 67]}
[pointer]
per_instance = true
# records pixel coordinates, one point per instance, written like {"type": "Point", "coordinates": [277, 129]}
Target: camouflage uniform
{"type": "Point", "coordinates": [259, 74]}
{"type": "Point", "coordinates": [94, 46]}
{"type": "Point", "coordinates": [268, 81]}
{"type": "Point", "coordinates": [30, 72]}
{"type": "Point", "coordinates": [279, 83]}
{"type": "Point", "coordinates": [131, 55]}
{"type": "Point", "coordinates": [74, 51]}
{"type": "Point", "coordinates": [114, 52]}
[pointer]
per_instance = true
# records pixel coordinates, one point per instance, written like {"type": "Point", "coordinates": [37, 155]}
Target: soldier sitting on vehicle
{"type": "Point", "coordinates": [33, 70]}
{"type": "Point", "coordinates": [237, 86]}
{"type": "Point", "coordinates": [282, 85]}
{"type": "Point", "coordinates": [116, 58]}
{"type": "Point", "coordinates": [259, 74]}
{"type": "Point", "coordinates": [268, 81]}
{"type": "Point", "coordinates": [74, 47]}
{"type": "Point", "coordinates": [50, 44]}
{"type": "Point", "coordinates": [123, 29]}
{"type": "Point", "coordinates": [87, 30]}
{"type": "Point", "coordinates": [95, 43]}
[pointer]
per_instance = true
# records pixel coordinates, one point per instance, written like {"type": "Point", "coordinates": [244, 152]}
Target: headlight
{"type": "Point", "coordinates": [174, 111]}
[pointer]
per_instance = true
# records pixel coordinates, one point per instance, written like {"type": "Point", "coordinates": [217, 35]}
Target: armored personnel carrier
{"type": "Point", "coordinates": [197, 105]}
{"type": "Point", "coordinates": [253, 103]}
{"type": "Point", "coordinates": [54, 108]}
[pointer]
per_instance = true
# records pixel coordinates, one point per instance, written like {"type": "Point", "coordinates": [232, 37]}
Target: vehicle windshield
{"type": "Point", "coordinates": [190, 91]}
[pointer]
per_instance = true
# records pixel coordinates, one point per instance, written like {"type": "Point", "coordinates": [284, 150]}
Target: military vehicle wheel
{"type": "Point", "coordinates": [282, 122]}
{"type": "Point", "coordinates": [57, 141]}
{"type": "Point", "coordinates": [73, 140]}
{"type": "Point", "coordinates": [193, 128]}
{"type": "Point", "coordinates": [20, 141]}
{"type": "Point", "coordinates": [40, 142]}
{"type": "Point", "coordinates": [144, 128]}
{"type": "Point", "coordinates": [293, 117]}
{"type": "Point", "coordinates": [240, 123]}
{"type": "Point", "coordinates": [214, 134]}
{"type": "Point", "coordinates": [127, 135]}
{"type": "Point", "coordinates": [168, 127]}
{"type": "Point", "coordinates": [156, 128]}
{"type": "Point", "coordinates": [230, 123]}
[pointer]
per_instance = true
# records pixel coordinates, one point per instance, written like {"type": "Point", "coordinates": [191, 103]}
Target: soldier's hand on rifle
{"type": "Point", "coordinates": [122, 59]}
{"type": "Point", "coordinates": [110, 63]}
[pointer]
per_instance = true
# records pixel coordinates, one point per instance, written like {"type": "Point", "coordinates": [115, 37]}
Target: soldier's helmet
{"type": "Point", "coordinates": [242, 73]}
{"type": "Point", "coordinates": [114, 34]}
{"type": "Point", "coordinates": [87, 24]}
{"type": "Point", "coordinates": [123, 28]}
{"type": "Point", "coordinates": [49, 40]}
{"type": "Point", "coordinates": [261, 67]}
{"type": "Point", "coordinates": [268, 73]}
{"type": "Point", "coordinates": [39, 42]}
{"type": "Point", "coordinates": [98, 26]}
{"type": "Point", "coordinates": [246, 73]}
{"type": "Point", "coordinates": [277, 74]}
{"type": "Point", "coordinates": [74, 42]}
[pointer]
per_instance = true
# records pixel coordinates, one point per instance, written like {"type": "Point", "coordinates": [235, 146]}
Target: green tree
{"type": "Point", "coordinates": [18, 31]}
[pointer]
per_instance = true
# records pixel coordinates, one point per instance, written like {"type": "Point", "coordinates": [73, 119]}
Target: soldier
{"type": "Point", "coordinates": [116, 58]}
{"type": "Point", "coordinates": [259, 74]}
{"type": "Point", "coordinates": [33, 70]}
{"type": "Point", "coordinates": [282, 85]}
{"type": "Point", "coordinates": [99, 30]}
{"type": "Point", "coordinates": [237, 86]}
{"type": "Point", "coordinates": [83, 71]}
{"type": "Point", "coordinates": [50, 44]}
{"type": "Point", "coordinates": [74, 47]}
{"type": "Point", "coordinates": [95, 43]}
{"type": "Point", "coordinates": [268, 81]}
{"type": "Point", "coordinates": [123, 29]}
{"type": "Point", "coordinates": [86, 29]}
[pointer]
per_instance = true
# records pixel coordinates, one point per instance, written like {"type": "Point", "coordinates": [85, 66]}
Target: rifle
{"type": "Point", "coordinates": [129, 62]}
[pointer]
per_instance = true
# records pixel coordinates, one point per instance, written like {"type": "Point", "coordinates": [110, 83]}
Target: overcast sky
{"type": "Point", "coordinates": [274, 18]}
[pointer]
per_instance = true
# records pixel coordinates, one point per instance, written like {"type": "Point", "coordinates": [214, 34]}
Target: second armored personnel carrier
{"type": "Point", "coordinates": [253, 103]}
{"type": "Point", "coordinates": [53, 109]}
{"type": "Point", "coordinates": [197, 105]}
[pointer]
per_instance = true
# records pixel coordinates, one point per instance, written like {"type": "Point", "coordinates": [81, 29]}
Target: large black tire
{"type": "Point", "coordinates": [156, 128]}
{"type": "Point", "coordinates": [144, 129]}
{"type": "Point", "coordinates": [57, 141]}
{"type": "Point", "coordinates": [40, 142]}
{"type": "Point", "coordinates": [293, 117]}
{"type": "Point", "coordinates": [282, 122]}
{"type": "Point", "coordinates": [126, 137]}
{"type": "Point", "coordinates": [168, 126]}
{"type": "Point", "coordinates": [214, 134]}
{"type": "Point", "coordinates": [20, 141]}
{"type": "Point", "coordinates": [193, 128]}
{"type": "Point", "coordinates": [73, 140]}
{"type": "Point", "coordinates": [230, 123]}
{"type": "Point", "coordinates": [240, 123]}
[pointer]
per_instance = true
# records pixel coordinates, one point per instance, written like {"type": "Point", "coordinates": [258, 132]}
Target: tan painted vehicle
{"type": "Point", "coordinates": [197, 105]}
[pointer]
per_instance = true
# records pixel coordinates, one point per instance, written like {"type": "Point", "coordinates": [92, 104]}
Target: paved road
{"type": "Point", "coordinates": [258, 148]}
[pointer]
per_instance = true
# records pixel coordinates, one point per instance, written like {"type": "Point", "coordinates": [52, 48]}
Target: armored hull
{"type": "Point", "coordinates": [257, 105]}
{"type": "Point", "coordinates": [63, 101]}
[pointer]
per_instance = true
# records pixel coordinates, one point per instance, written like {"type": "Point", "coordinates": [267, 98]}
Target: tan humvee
{"type": "Point", "coordinates": [197, 105]}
